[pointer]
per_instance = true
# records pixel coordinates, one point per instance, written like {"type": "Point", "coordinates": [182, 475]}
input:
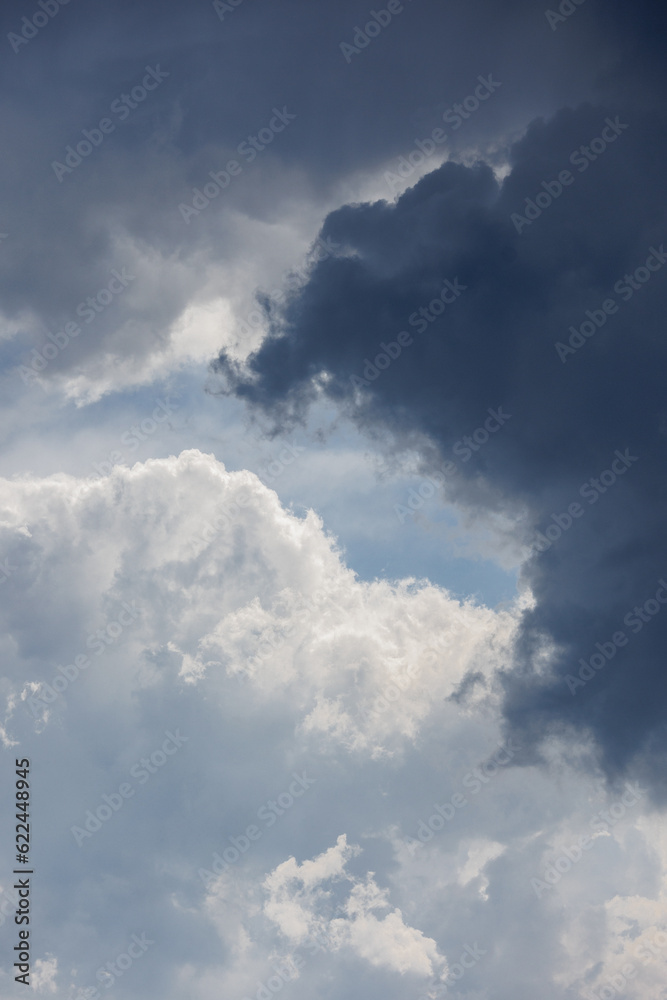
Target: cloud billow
{"type": "Point", "coordinates": [527, 290]}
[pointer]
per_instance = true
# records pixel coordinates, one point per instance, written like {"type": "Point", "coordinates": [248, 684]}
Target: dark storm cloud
{"type": "Point", "coordinates": [520, 286]}
{"type": "Point", "coordinates": [226, 74]}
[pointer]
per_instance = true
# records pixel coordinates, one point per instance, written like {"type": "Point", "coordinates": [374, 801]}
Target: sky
{"type": "Point", "coordinates": [332, 565]}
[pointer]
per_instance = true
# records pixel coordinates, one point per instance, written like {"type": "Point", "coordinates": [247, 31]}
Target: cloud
{"type": "Point", "coordinates": [289, 617]}
{"type": "Point", "coordinates": [298, 904]}
{"type": "Point", "coordinates": [118, 203]}
{"type": "Point", "coordinates": [259, 772]}
{"type": "Point", "coordinates": [377, 332]}
{"type": "Point", "coordinates": [44, 975]}
{"type": "Point", "coordinates": [210, 561]}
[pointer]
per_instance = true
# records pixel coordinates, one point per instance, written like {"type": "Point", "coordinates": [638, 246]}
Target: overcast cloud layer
{"type": "Point", "coordinates": [333, 581]}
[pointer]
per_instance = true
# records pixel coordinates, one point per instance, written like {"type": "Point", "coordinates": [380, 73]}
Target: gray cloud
{"type": "Point", "coordinates": [119, 206]}
{"type": "Point", "coordinates": [533, 259]}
